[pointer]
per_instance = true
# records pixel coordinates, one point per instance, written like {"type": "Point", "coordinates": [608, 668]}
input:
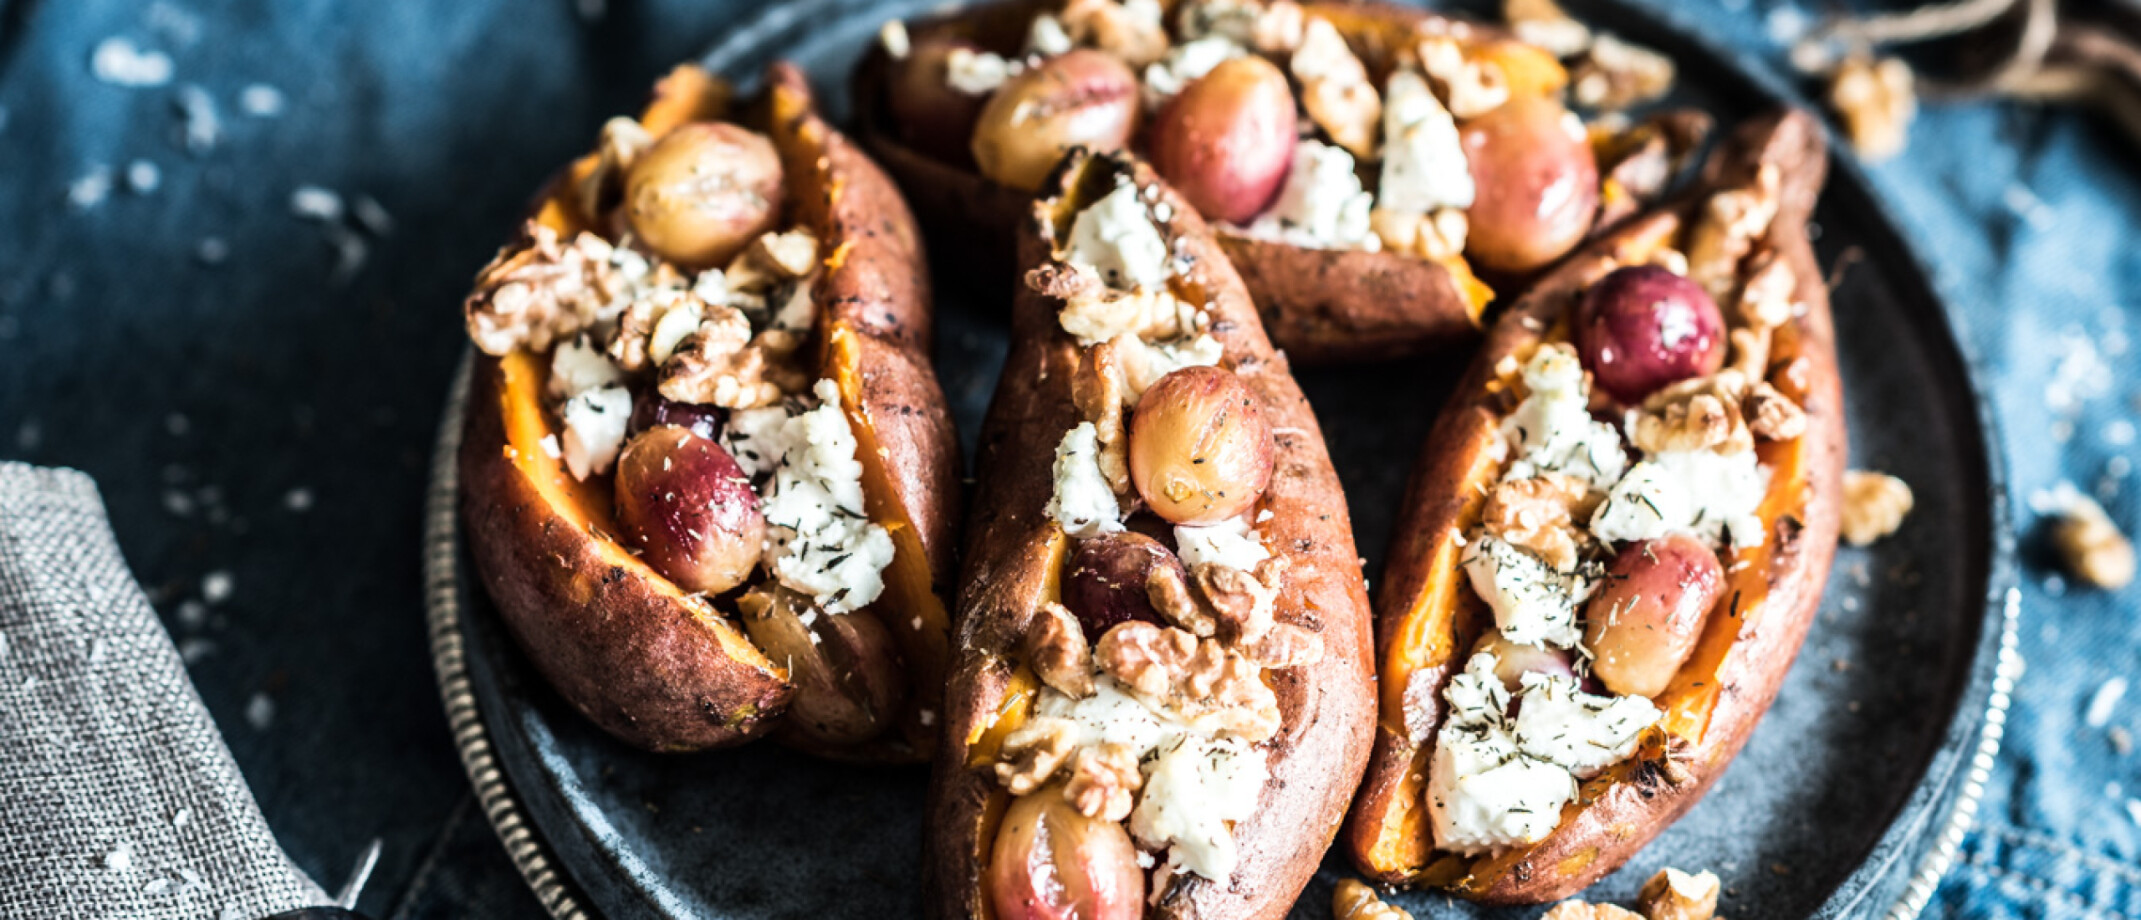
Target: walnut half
{"type": "Point", "coordinates": [1676, 895]}
{"type": "Point", "coordinates": [1354, 900]}
{"type": "Point", "coordinates": [1874, 505]}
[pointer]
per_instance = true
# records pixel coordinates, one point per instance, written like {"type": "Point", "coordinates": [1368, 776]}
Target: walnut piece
{"type": "Point", "coordinates": [1131, 29]}
{"type": "Point", "coordinates": [1545, 24]}
{"type": "Point", "coordinates": [1698, 414]}
{"type": "Point", "coordinates": [623, 140]}
{"type": "Point", "coordinates": [1772, 416]}
{"type": "Point", "coordinates": [2090, 544]}
{"type": "Point", "coordinates": [1470, 88]}
{"type": "Point", "coordinates": [1436, 235]}
{"type": "Point", "coordinates": [1749, 352]}
{"type": "Point", "coordinates": [720, 364]}
{"type": "Point", "coordinates": [540, 291]}
{"type": "Point", "coordinates": [1874, 505]}
{"type": "Point", "coordinates": [1676, 895]}
{"type": "Point", "coordinates": [1766, 298]}
{"type": "Point", "coordinates": [1335, 89]}
{"type": "Point", "coordinates": [1033, 753]}
{"type": "Point", "coordinates": [789, 255]}
{"type": "Point", "coordinates": [1201, 682]}
{"type": "Point", "coordinates": [1877, 101]}
{"type": "Point", "coordinates": [1583, 910]}
{"type": "Point", "coordinates": [1731, 222]}
{"type": "Point", "coordinates": [1614, 75]}
{"type": "Point", "coordinates": [1098, 389]}
{"type": "Point", "coordinates": [1538, 514]}
{"type": "Point", "coordinates": [1104, 315]}
{"type": "Point", "coordinates": [1056, 647]}
{"type": "Point", "coordinates": [1354, 900]}
{"type": "Point", "coordinates": [1103, 782]}
{"type": "Point", "coordinates": [1286, 645]}
{"type": "Point", "coordinates": [1241, 602]}
{"type": "Point", "coordinates": [1169, 593]}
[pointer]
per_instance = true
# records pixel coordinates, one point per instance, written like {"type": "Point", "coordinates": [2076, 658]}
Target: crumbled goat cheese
{"type": "Point", "coordinates": [578, 366]}
{"type": "Point", "coordinates": [1112, 715]}
{"type": "Point", "coordinates": [1700, 492]}
{"type": "Point", "coordinates": [1533, 604]}
{"type": "Point", "coordinates": [1580, 732]}
{"type": "Point", "coordinates": [1229, 543]}
{"type": "Point", "coordinates": [1046, 36]}
{"type": "Point", "coordinates": [1322, 205]}
{"type": "Point", "coordinates": [1083, 501]}
{"type": "Point", "coordinates": [1552, 429]}
{"type": "Point", "coordinates": [1116, 239]}
{"type": "Point", "coordinates": [1192, 790]}
{"type": "Point", "coordinates": [820, 540]}
{"type": "Point", "coordinates": [977, 73]}
{"type": "Point", "coordinates": [594, 429]}
{"type": "Point", "coordinates": [1483, 794]}
{"type": "Point", "coordinates": [1182, 66]}
{"type": "Point", "coordinates": [1423, 159]}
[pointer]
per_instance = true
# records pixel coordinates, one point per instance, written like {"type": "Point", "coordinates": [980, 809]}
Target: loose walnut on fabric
{"type": "Point", "coordinates": [1874, 505]}
{"type": "Point", "coordinates": [1675, 895]}
{"type": "Point", "coordinates": [540, 290]}
{"type": "Point", "coordinates": [1056, 647]}
{"type": "Point", "coordinates": [1583, 910]}
{"type": "Point", "coordinates": [1354, 900]}
{"type": "Point", "coordinates": [1103, 782]}
{"type": "Point", "coordinates": [1877, 99]}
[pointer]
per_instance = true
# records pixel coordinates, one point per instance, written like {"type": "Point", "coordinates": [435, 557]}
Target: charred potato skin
{"type": "Point", "coordinates": [1619, 812]}
{"type": "Point", "coordinates": [1320, 306]}
{"type": "Point", "coordinates": [1013, 561]}
{"type": "Point", "coordinates": [645, 662]}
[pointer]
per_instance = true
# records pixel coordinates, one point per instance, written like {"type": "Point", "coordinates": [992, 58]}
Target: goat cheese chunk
{"type": "Point", "coordinates": [1552, 430]}
{"type": "Point", "coordinates": [578, 366]}
{"type": "Point", "coordinates": [1424, 165]}
{"type": "Point", "coordinates": [1047, 37]}
{"type": "Point", "coordinates": [1194, 789]}
{"type": "Point", "coordinates": [977, 73]}
{"type": "Point", "coordinates": [595, 423]}
{"type": "Point", "coordinates": [1698, 492]}
{"type": "Point", "coordinates": [1483, 791]}
{"type": "Point", "coordinates": [1084, 502]}
{"type": "Point", "coordinates": [1230, 543]}
{"type": "Point", "coordinates": [1533, 604]}
{"type": "Point", "coordinates": [1116, 239]}
{"type": "Point", "coordinates": [819, 539]}
{"type": "Point", "coordinates": [1182, 66]}
{"type": "Point", "coordinates": [1580, 732]}
{"type": "Point", "coordinates": [1321, 206]}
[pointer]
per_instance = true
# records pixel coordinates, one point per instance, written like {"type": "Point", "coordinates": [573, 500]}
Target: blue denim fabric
{"type": "Point", "coordinates": [121, 353]}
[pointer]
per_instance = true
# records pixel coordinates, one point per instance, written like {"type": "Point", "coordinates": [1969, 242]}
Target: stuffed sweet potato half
{"type": "Point", "coordinates": [1364, 165]}
{"type": "Point", "coordinates": [1161, 695]}
{"type": "Point", "coordinates": [1614, 542]}
{"type": "Point", "coordinates": [708, 476]}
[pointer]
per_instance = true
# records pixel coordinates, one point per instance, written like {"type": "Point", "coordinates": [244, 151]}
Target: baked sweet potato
{"type": "Point", "coordinates": [965, 108]}
{"type": "Point", "coordinates": [1034, 595]}
{"type": "Point", "coordinates": [594, 600]}
{"type": "Point", "coordinates": [1712, 687]}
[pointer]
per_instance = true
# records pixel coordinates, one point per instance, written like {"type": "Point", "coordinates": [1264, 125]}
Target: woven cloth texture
{"type": "Point", "coordinates": [117, 794]}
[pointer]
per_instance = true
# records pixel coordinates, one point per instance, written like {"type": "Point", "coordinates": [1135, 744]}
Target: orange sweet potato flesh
{"type": "Point", "coordinates": [1014, 556]}
{"type": "Point", "coordinates": [1320, 306]}
{"type": "Point", "coordinates": [645, 661]}
{"type": "Point", "coordinates": [1426, 615]}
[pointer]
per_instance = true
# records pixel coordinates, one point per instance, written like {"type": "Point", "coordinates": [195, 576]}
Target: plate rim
{"type": "Point", "coordinates": [1958, 771]}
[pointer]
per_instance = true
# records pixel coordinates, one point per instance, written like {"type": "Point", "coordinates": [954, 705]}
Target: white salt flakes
{"type": "Point", "coordinates": [260, 712]}
{"type": "Point", "coordinates": [179, 820]}
{"type": "Point", "coordinates": [121, 857]}
{"type": "Point", "coordinates": [156, 886]}
{"type": "Point", "coordinates": [216, 586]}
{"type": "Point", "coordinates": [260, 100]}
{"type": "Point", "coordinates": [119, 62]}
{"type": "Point", "coordinates": [2106, 699]}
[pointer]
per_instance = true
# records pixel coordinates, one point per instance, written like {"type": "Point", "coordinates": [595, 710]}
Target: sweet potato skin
{"type": "Point", "coordinates": [1320, 306]}
{"type": "Point", "coordinates": [661, 669]}
{"type": "Point", "coordinates": [1621, 811]}
{"type": "Point", "coordinates": [1014, 550]}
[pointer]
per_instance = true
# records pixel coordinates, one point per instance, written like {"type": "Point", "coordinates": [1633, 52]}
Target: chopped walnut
{"type": "Point", "coordinates": [1335, 89]}
{"type": "Point", "coordinates": [1584, 910]}
{"type": "Point", "coordinates": [1199, 681]}
{"type": "Point", "coordinates": [789, 255]}
{"type": "Point", "coordinates": [1545, 24]}
{"type": "Point", "coordinates": [2089, 543]}
{"type": "Point", "coordinates": [1105, 315]}
{"type": "Point", "coordinates": [1749, 353]}
{"type": "Point", "coordinates": [1034, 752]}
{"type": "Point", "coordinates": [1765, 300]}
{"type": "Point", "coordinates": [719, 364]}
{"type": "Point", "coordinates": [1469, 88]}
{"type": "Point", "coordinates": [1131, 30]}
{"type": "Point", "coordinates": [651, 327]}
{"type": "Point", "coordinates": [1098, 390]}
{"type": "Point", "coordinates": [1772, 416]}
{"type": "Point", "coordinates": [1433, 236]}
{"type": "Point", "coordinates": [1240, 601]}
{"type": "Point", "coordinates": [1676, 895]}
{"type": "Point", "coordinates": [1614, 75]}
{"type": "Point", "coordinates": [623, 140]}
{"type": "Point", "coordinates": [1538, 514]}
{"type": "Point", "coordinates": [1353, 900]}
{"type": "Point", "coordinates": [1698, 414]}
{"type": "Point", "coordinates": [1730, 223]}
{"type": "Point", "coordinates": [1286, 645]}
{"type": "Point", "coordinates": [1279, 28]}
{"type": "Point", "coordinates": [1103, 782]}
{"type": "Point", "coordinates": [1877, 101]}
{"type": "Point", "coordinates": [1168, 591]}
{"type": "Point", "coordinates": [540, 291]}
{"type": "Point", "coordinates": [1874, 506]}
{"type": "Point", "coordinates": [1273, 28]}
{"type": "Point", "coordinates": [1056, 647]}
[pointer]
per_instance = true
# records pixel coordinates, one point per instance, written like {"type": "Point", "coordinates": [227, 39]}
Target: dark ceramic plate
{"type": "Point", "coordinates": [1847, 801]}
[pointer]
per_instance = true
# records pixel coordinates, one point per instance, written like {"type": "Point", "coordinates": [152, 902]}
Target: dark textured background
{"type": "Point", "coordinates": [204, 396]}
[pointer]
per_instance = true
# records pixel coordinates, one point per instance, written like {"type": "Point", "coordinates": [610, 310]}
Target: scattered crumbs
{"type": "Point", "coordinates": [260, 100]}
{"type": "Point", "coordinates": [192, 614]}
{"type": "Point", "coordinates": [2122, 741]}
{"type": "Point", "coordinates": [177, 503]}
{"type": "Point", "coordinates": [1840, 665]}
{"type": "Point", "coordinates": [312, 202]}
{"type": "Point", "coordinates": [96, 650]}
{"type": "Point", "coordinates": [652, 808]}
{"type": "Point", "coordinates": [1860, 575]}
{"type": "Point", "coordinates": [298, 499]}
{"type": "Point", "coordinates": [212, 250]}
{"type": "Point", "coordinates": [188, 879]}
{"type": "Point", "coordinates": [199, 126]}
{"type": "Point", "coordinates": [177, 424]}
{"type": "Point", "coordinates": [192, 649]}
{"type": "Point", "coordinates": [29, 435]}
{"type": "Point", "coordinates": [2133, 810]}
{"type": "Point", "coordinates": [119, 62]}
{"type": "Point", "coordinates": [2080, 375]}
{"type": "Point", "coordinates": [167, 19]}
{"type": "Point", "coordinates": [1851, 604]}
{"type": "Point", "coordinates": [1785, 23]}
{"type": "Point", "coordinates": [156, 886]}
{"type": "Point", "coordinates": [372, 215]}
{"type": "Point", "coordinates": [90, 188]}
{"type": "Point", "coordinates": [2055, 585]}
{"type": "Point", "coordinates": [2119, 433]}
{"type": "Point", "coordinates": [142, 177]}
{"type": "Point", "coordinates": [183, 817]}
{"type": "Point", "coordinates": [216, 586]}
{"type": "Point", "coordinates": [2104, 701]}
{"type": "Point", "coordinates": [260, 712]}
{"type": "Point", "coordinates": [927, 717]}
{"type": "Point", "coordinates": [2026, 205]}
{"type": "Point", "coordinates": [1852, 706]}
{"type": "Point", "coordinates": [1780, 868]}
{"type": "Point", "coordinates": [121, 857]}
